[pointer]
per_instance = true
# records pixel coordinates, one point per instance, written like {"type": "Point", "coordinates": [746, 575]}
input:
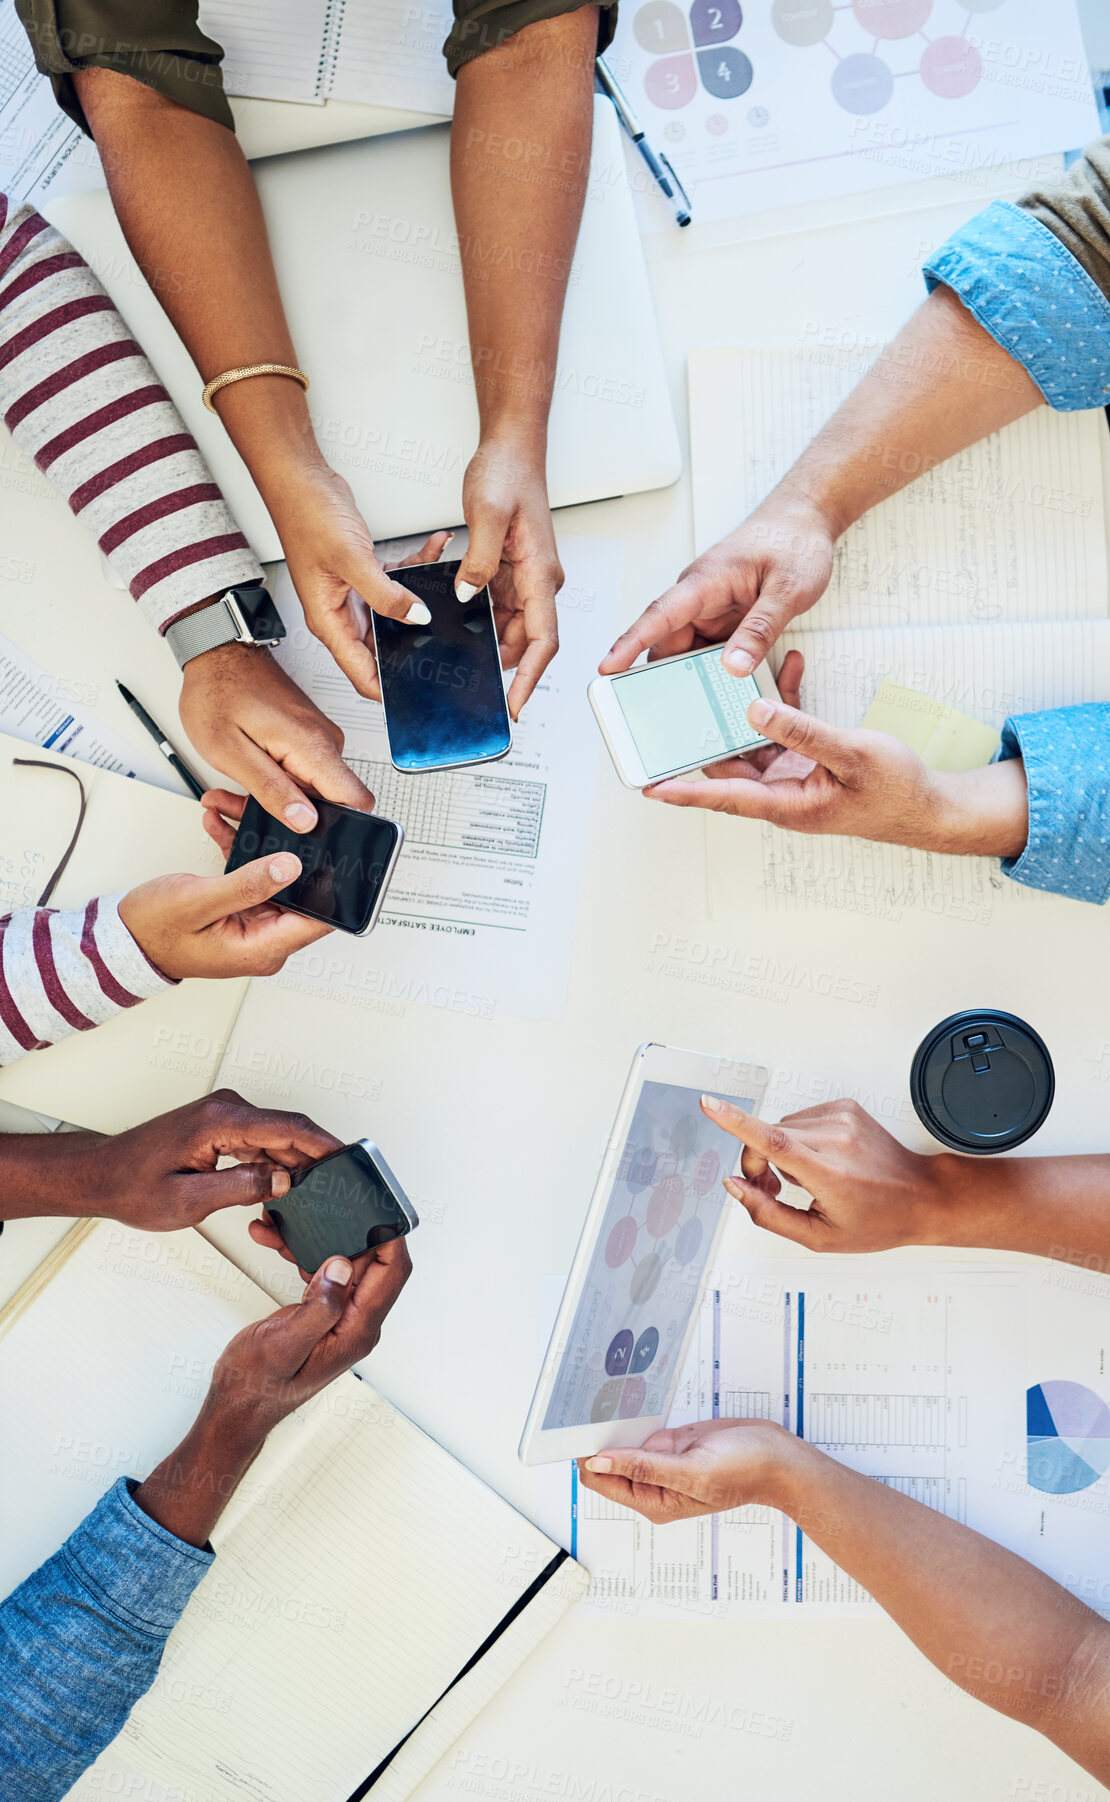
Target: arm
{"type": "Point", "coordinates": [989, 1621]}
{"type": "Point", "coordinates": [870, 1194]}
{"type": "Point", "coordinates": [537, 86]}
{"type": "Point", "coordinates": [81, 1640]}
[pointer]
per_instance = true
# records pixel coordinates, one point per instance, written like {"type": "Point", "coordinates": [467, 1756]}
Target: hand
{"type": "Point", "coordinates": [250, 720]}
{"type": "Point", "coordinates": [336, 573]}
{"type": "Point", "coordinates": [162, 1175]}
{"type": "Point", "coordinates": [512, 547]}
{"type": "Point", "coordinates": [218, 926]}
{"type": "Point", "coordinates": [869, 1193]}
{"type": "Point", "coordinates": [265, 1232]}
{"type": "Point", "coordinates": [704, 1468]}
{"type": "Point", "coordinates": [270, 1368]}
{"type": "Point", "coordinates": [746, 589]}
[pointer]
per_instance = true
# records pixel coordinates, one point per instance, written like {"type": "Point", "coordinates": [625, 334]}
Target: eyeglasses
{"type": "Point", "coordinates": [61, 769]}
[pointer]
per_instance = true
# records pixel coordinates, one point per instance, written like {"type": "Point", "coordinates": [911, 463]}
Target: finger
{"type": "Point", "coordinates": [738, 795]}
{"type": "Point", "coordinates": [673, 611]}
{"type": "Point", "coordinates": [483, 553]}
{"type": "Point", "coordinates": [268, 943]}
{"type": "Point", "coordinates": [789, 682]}
{"type": "Point", "coordinates": [669, 1473]}
{"type": "Point", "coordinates": [228, 1125]}
{"type": "Point", "coordinates": [224, 801]}
{"type": "Point", "coordinates": [216, 897]}
{"type": "Point", "coordinates": [837, 751]}
{"type": "Point", "coordinates": [338, 634]}
{"type": "Point", "coordinates": [297, 1331]}
{"type": "Point", "coordinates": [430, 551]}
{"type": "Point", "coordinates": [272, 786]}
{"type": "Point", "coordinates": [531, 667]}
{"type": "Point", "coordinates": [203, 1192]}
{"type": "Point", "coordinates": [265, 1233]}
{"type": "Point", "coordinates": [317, 762]}
{"type": "Point", "coordinates": [768, 1139]}
{"type": "Point", "coordinates": [780, 598]}
{"type": "Point", "coordinates": [218, 829]}
{"type": "Point", "coordinates": [800, 1225]}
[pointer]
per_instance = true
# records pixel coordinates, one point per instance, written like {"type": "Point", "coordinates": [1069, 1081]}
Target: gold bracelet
{"type": "Point", "coordinates": [238, 375]}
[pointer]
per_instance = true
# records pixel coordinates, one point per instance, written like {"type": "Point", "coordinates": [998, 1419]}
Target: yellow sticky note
{"type": "Point", "coordinates": [943, 738]}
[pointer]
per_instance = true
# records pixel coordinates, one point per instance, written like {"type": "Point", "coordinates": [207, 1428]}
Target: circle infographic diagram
{"type": "Point", "coordinates": [692, 50]}
{"type": "Point", "coordinates": [1067, 1437]}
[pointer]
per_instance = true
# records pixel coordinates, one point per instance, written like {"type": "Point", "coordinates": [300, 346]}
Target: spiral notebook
{"type": "Point", "coordinates": [369, 1595]}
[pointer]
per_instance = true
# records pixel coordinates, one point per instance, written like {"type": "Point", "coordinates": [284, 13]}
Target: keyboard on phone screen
{"type": "Point", "coordinates": [731, 696]}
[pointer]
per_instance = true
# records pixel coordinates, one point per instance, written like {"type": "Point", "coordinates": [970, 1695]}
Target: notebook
{"type": "Point", "coordinates": [366, 252]}
{"type": "Point", "coordinates": [167, 1050]}
{"type": "Point", "coordinates": [369, 1594]}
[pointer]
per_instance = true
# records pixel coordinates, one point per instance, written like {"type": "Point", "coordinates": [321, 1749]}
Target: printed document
{"type": "Point", "coordinates": [37, 709]}
{"type": "Point", "coordinates": [482, 909]}
{"type": "Point", "coordinates": [42, 153]}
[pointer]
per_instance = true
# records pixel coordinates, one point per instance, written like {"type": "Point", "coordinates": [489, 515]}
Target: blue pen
{"type": "Point", "coordinates": [659, 165]}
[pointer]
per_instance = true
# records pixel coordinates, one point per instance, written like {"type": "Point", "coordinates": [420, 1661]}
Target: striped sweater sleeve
{"type": "Point", "coordinates": [67, 972]}
{"type": "Point", "coordinates": [79, 396]}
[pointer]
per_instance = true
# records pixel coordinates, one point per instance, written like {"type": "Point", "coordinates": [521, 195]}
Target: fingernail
{"type": "Point", "coordinates": [465, 591]}
{"type": "Point", "coordinates": [760, 712]}
{"type": "Point", "coordinates": [300, 816]}
{"type": "Point", "coordinates": [338, 1270]}
{"type": "Point", "coordinates": [279, 1182]}
{"type": "Point", "coordinates": [285, 868]}
{"type": "Point", "coordinates": [711, 1104]}
{"type": "Point", "coordinates": [448, 539]}
{"type": "Point", "coordinates": [601, 1465]}
{"type": "Point", "coordinates": [418, 615]}
{"type": "Point", "coordinates": [740, 663]}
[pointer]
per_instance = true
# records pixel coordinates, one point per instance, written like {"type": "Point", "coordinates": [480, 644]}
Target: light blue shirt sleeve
{"type": "Point", "coordinates": [81, 1640]}
{"type": "Point", "coordinates": [1027, 290]}
{"type": "Point", "coordinates": [1066, 753]}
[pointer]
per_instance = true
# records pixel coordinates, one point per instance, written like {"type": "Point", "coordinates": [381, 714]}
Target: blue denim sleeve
{"type": "Point", "coordinates": [1027, 290]}
{"type": "Point", "coordinates": [81, 1640]}
{"type": "Point", "coordinates": [1066, 753]}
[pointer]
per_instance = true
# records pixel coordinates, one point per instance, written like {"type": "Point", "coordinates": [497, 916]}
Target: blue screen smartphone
{"type": "Point", "coordinates": [442, 688]}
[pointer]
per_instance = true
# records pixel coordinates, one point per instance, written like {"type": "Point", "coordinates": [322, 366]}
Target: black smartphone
{"type": "Point", "coordinates": [342, 1205]}
{"type": "Point", "coordinates": [442, 687]}
{"type": "Point", "coordinates": [346, 861]}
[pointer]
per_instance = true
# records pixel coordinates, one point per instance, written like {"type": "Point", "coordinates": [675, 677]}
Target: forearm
{"type": "Point", "coordinates": [942, 384]}
{"type": "Point", "coordinates": [989, 1621]}
{"type": "Point", "coordinates": [982, 812]}
{"type": "Point", "coordinates": [518, 214]}
{"type": "Point", "coordinates": [188, 207]}
{"type": "Point", "coordinates": [188, 1491]}
{"type": "Point", "coordinates": [1050, 1207]}
{"type": "Point", "coordinates": [47, 1175]}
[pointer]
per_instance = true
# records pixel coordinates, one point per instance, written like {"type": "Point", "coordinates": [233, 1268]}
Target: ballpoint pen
{"type": "Point", "coordinates": [658, 164]}
{"type": "Point", "coordinates": [194, 787]}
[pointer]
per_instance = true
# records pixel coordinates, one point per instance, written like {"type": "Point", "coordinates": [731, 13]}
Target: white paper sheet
{"type": "Point", "coordinates": [915, 1374]}
{"type": "Point", "coordinates": [42, 153]}
{"type": "Point", "coordinates": [1012, 528]}
{"type": "Point", "coordinates": [763, 106]}
{"type": "Point", "coordinates": [271, 52]}
{"type": "Point", "coordinates": [36, 708]}
{"type": "Point", "coordinates": [390, 53]}
{"type": "Point", "coordinates": [481, 913]}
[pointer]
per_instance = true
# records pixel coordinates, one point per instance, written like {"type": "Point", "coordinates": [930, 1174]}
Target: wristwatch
{"type": "Point", "coordinates": [244, 615]}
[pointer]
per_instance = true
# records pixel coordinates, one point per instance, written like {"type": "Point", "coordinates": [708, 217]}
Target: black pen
{"type": "Point", "coordinates": [194, 787]}
{"type": "Point", "coordinates": [659, 165]}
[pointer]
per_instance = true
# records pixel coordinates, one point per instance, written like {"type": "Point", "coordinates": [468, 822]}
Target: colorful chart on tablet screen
{"type": "Point", "coordinates": [1067, 1437]}
{"type": "Point", "coordinates": [761, 103]}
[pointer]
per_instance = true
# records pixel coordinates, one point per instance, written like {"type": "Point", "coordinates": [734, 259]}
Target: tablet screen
{"type": "Point", "coordinates": [648, 1261]}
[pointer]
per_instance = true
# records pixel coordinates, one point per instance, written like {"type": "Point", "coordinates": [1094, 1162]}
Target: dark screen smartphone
{"type": "Point", "coordinates": [342, 1205]}
{"type": "Point", "coordinates": [347, 860]}
{"type": "Point", "coordinates": [442, 688]}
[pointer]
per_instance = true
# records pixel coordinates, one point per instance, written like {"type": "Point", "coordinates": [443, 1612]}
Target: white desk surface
{"type": "Point", "coordinates": [498, 1125]}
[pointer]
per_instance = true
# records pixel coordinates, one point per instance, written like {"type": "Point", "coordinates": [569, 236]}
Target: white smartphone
{"type": "Point", "coordinates": [662, 719]}
{"type": "Point", "coordinates": [649, 1241]}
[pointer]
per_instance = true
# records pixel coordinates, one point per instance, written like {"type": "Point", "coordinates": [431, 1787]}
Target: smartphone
{"type": "Point", "coordinates": [650, 1237]}
{"type": "Point", "coordinates": [342, 1205]}
{"type": "Point", "coordinates": [677, 714]}
{"type": "Point", "coordinates": [442, 688]}
{"type": "Point", "coordinates": [347, 861]}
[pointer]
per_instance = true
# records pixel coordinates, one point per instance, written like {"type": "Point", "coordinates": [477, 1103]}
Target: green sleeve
{"type": "Point", "coordinates": [481, 25]}
{"type": "Point", "coordinates": [157, 42]}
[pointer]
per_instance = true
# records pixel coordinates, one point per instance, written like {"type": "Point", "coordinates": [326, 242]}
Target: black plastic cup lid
{"type": "Point", "coordinates": [982, 1081]}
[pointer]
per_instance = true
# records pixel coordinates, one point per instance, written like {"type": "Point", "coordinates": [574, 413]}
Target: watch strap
{"type": "Point", "coordinates": [201, 631]}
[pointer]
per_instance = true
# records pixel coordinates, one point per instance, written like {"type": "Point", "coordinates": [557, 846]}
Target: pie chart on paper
{"type": "Point", "coordinates": [1067, 1437]}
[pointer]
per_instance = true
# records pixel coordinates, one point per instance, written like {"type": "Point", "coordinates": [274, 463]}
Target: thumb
{"type": "Point", "coordinates": [216, 897]}
{"type": "Point", "coordinates": [203, 1192]}
{"type": "Point", "coordinates": [660, 1470]}
{"type": "Point", "coordinates": [781, 598]}
{"type": "Point", "coordinates": [795, 1224]}
{"type": "Point", "coordinates": [320, 1309]}
{"type": "Point", "coordinates": [835, 750]}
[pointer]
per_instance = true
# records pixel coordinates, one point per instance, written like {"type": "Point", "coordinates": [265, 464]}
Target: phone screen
{"type": "Point", "coordinates": [686, 712]}
{"type": "Point", "coordinates": [339, 1206]}
{"type": "Point", "coordinates": [344, 859]}
{"type": "Point", "coordinates": [648, 1262]}
{"type": "Point", "coordinates": [441, 683]}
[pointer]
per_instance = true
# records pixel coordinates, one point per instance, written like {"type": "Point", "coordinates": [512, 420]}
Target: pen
{"type": "Point", "coordinates": [659, 165]}
{"type": "Point", "coordinates": [194, 787]}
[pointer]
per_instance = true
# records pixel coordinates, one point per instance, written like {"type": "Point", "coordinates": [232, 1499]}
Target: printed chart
{"type": "Point", "coordinates": [1068, 1437]}
{"type": "Point", "coordinates": [760, 105]}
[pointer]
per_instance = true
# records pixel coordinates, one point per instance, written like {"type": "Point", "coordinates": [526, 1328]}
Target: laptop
{"type": "Point", "coordinates": [367, 257]}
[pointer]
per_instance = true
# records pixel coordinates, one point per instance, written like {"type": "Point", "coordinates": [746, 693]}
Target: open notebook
{"type": "Point", "coordinates": [167, 1050]}
{"type": "Point", "coordinates": [369, 1594]}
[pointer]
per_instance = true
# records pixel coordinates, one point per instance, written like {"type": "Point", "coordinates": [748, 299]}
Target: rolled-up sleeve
{"type": "Point", "coordinates": [157, 42]}
{"type": "Point", "coordinates": [1066, 753]}
{"type": "Point", "coordinates": [81, 1641]}
{"type": "Point", "coordinates": [482, 25]}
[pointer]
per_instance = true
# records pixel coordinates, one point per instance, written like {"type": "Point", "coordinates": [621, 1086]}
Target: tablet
{"type": "Point", "coordinates": [649, 1241]}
